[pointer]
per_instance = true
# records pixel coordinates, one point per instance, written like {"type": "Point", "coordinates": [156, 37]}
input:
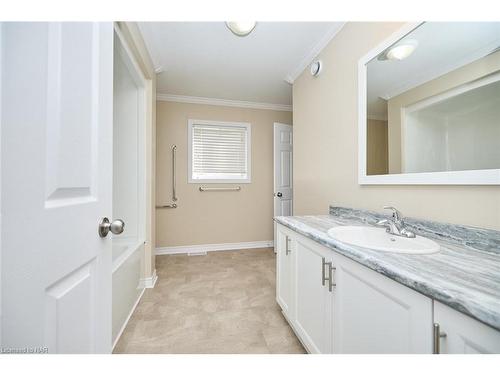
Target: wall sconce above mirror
{"type": "Point", "coordinates": [429, 106]}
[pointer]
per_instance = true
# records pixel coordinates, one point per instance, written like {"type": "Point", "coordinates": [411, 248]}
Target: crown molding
{"type": "Point", "coordinates": [151, 46]}
{"type": "Point", "coordinates": [222, 102]}
{"type": "Point", "coordinates": [315, 51]}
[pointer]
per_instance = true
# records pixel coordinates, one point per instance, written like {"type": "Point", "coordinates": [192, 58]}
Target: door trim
{"type": "Point", "coordinates": [141, 81]}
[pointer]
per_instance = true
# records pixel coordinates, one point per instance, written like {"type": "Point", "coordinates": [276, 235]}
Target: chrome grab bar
{"type": "Point", "coordinates": [174, 182]}
{"type": "Point", "coordinates": [173, 205]}
{"type": "Point", "coordinates": [235, 188]}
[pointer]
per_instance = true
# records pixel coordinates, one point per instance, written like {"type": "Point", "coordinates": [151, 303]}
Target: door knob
{"type": "Point", "coordinates": [279, 195]}
{"type": "Point", "coordinates": [116, 227]}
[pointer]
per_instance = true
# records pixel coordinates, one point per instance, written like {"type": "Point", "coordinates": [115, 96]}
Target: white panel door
{"type": "Point", "coordinates": [283, 188]}
{"type": "Point", "coordinates": [313, 300]}
{"type": "Point", "coordinates": [284, 272]}
{"type": "Point", "coordinates": [462, 334]}
{"type": "Point", "coordinates": [373, 314]}
{"type": "Point", "coordinates": [57, 89]}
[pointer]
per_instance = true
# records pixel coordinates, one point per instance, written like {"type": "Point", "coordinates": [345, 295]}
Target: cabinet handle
{"type": "Point", "coordinates": [287, 248]}
{"type": "Point", "coordinates": [331, 284]}
{"type": "Point", "coordinates": [324, 279]}
{"type": "Point", "coordinates": [438, 335]}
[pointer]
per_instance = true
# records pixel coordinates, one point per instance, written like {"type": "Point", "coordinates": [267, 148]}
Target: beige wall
{"type": "Point", "coordinates": [325, 148]}
{"type": "Point", "coordinates": [468, 73]}
{"type": "Point", "coordinates": [376, 147]}
{"type": "Point", "coordinates": [214, 217]}
{"type": "Point", "coordinates": [134, 39]}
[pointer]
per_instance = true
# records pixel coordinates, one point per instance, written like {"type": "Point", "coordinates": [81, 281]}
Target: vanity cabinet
{"type": "Point", "coordinates": [374, 314]}
{"type": "Point", "coordinates": [284, 270]}
{"type": "Point", "coordinates": [340, 306]}
{"type": "Point", "coordinates": [461, 334]}
{"type": "Point", "coordinates": [313, 296]}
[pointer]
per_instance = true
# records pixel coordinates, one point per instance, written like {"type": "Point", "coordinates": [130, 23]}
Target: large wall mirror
{"type": "Point", "coordinates": [430, 106]}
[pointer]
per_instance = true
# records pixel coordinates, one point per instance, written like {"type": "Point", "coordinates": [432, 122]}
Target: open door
{"type": "Point", "coordinates": [56, 155]}
{"type": "Point", "coordinates": [283, 188]}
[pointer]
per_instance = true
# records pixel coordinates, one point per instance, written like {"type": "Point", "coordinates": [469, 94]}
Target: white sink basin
{"type": "Point", "coordinates": [378, 239]}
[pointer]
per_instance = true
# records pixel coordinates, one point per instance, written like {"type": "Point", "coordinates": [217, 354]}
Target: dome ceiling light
{"type": "Point", "coordinates": [400, 51]}
{"type": "Point", "coordinates": [241, 28]}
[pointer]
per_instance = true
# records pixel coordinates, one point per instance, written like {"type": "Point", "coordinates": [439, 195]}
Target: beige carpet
{"type": "Point", "coordinates": [223, 302]}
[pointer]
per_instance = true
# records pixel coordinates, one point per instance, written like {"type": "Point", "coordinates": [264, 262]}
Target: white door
{"type": "Point", "coordinates": [284, 271]}
{"type": "Point", "coordinates": [283, 188]}
{"type": "Point", "coordinates": [57, 101]}
{"type": "Point", "coordinates": [373, 314]}
{"type": "Point", "coordinates": [313, 299]}
{"type": "Point", "coordinates": [462, 334]}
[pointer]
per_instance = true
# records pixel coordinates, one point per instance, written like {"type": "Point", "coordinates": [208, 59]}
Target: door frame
{"type": "Point", "coordinates": [140, 80]}
{"type": "Point", "coordinates": [274, 176]}
{"type": "Point", "coordinates": [131, 35]}
{"type": "Point", "coordinates": [137, 74]}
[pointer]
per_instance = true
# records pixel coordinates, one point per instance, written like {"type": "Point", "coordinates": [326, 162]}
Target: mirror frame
{"type": "Point", "coordinates": [469, 177]}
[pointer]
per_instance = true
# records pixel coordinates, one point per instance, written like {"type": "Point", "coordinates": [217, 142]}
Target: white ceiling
{"type": "Point", "coordinates": [442, 47]}
{"type": "Point", "coordinates": [204, 59]}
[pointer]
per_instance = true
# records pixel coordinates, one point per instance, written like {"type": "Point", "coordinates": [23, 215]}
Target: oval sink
{"type": "Point", "coordinates": [378, 239]}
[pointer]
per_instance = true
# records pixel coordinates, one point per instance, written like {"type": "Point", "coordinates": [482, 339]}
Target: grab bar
{"type": "Point", "coordinates": [174, 195]}
{"type": "Point", "coordinates": [236, 188]}
{"type": "Point", "coordinates": [174, 182]}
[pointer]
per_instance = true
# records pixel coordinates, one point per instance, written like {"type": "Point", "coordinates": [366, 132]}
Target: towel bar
{"type": "Point", "coordinates": [236, 188]}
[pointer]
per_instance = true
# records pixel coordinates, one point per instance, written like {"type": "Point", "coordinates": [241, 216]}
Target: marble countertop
{"type": "Point", "coordinates": [464, 274]}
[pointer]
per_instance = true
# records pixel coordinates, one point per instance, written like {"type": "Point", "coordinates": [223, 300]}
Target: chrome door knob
{"type": "Point", "coordinates": [115, 227]}
{"type": "Point", "coordinates": [279, 195]}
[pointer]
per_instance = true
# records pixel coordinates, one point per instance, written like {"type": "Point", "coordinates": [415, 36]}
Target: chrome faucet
{"type": "Point", "coordinates": [396, 224]}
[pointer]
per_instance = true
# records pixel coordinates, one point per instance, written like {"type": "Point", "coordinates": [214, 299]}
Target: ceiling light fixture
{"type": "Point", "coordinates": [241, 28]}
{"type": "Point", "coordinates": [400, 51]}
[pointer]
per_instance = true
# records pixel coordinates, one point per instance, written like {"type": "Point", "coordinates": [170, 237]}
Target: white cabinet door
{"type": "Point", "coordinates": [373, 314]}
{"type": "Point", "coordinates": [56, 153]}
{"type": "Point", "coordinates": [284, 270]}
{"type": "Point", "coordinates": [463, 335]}
{"type": "Point", "coordinates": [313, 312]}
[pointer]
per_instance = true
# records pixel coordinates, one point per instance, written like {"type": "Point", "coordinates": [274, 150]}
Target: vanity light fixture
{"type": "Point", "coordinates": [400, 51]}
{"type": "Point", "coordinates": [241, 28]}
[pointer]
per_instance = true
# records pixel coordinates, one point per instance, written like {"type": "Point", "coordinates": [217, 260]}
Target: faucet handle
{"type": "Point", "coordinates": [398, 217]}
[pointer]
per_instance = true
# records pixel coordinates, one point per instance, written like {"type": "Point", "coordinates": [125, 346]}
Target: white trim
{"type": "Point", "coordinates": [314, 52]}
{"type": "Point", "coordinates": [148, 36]}
{"type": "Point", "coordinates": [149, 282]}
{"type": "Point", "coordinates": [472, 177]}
{"type": "Point", "coordinates": [126, 320]}
{"type": "Point", "coordinates": [455, 91]}
{"type": "Point", "coordinates": [246, 180]}
{"type": "Point", "coordinates": [129, 59]}
{"type": "Point", "coordinates": [191, 249]}
{"type": "Point", "coordinates": [222, 102]}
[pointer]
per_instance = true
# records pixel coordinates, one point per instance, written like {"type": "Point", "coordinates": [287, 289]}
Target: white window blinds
{"type": "Point", "coordinates": [219, 151]}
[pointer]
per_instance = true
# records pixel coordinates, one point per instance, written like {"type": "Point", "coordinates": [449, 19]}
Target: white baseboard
{"type": "Point", "coordinates": [190, 249]}
{"type": "Point", "coordinates": [126, 320]}
{"type": "Point", "coordinates": [149, 282]}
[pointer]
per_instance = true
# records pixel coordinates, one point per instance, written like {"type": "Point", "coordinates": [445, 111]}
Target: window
{"type": "Point", "coordinates": [219, 152]}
